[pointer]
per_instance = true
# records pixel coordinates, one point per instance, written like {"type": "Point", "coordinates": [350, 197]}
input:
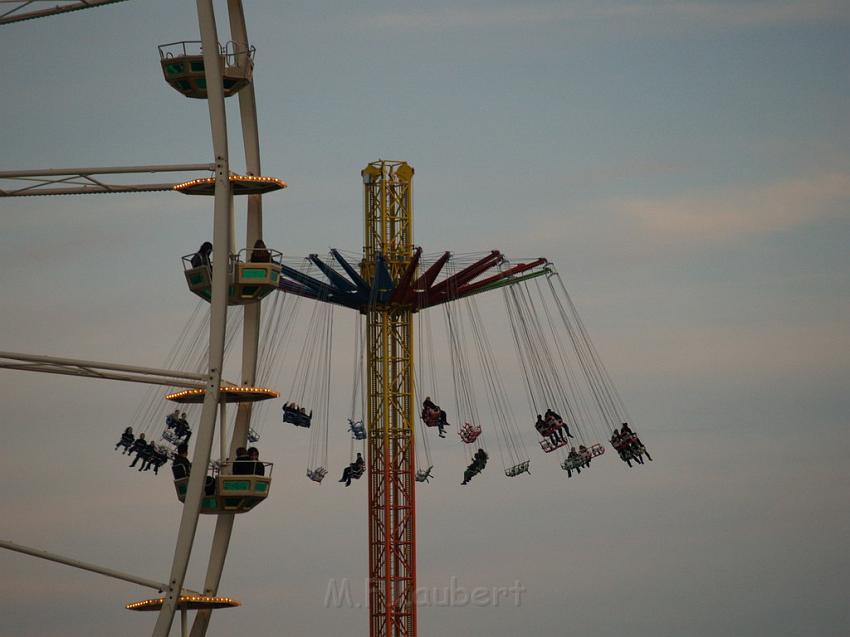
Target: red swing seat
{"type": "Point", "coordinates": [469, 432]}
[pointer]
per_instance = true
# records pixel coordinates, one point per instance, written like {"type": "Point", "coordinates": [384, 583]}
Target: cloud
{"type": "Point", "coordinates": [740, 213]}
{"type": "Point", "coordinates": [756, 14]}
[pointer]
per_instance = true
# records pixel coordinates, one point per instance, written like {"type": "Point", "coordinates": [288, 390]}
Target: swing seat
{"type": "Point", "coordinates": [318, 474]}
{"type": "Point", "coordinates": [596, 449]}
{"type": "Point", "coordinates": [517, 469]}
{"type": "Point", "coordinates": [357, 429]}
{"type": "Point", "coordinates": [571, 464]}
{"type": "Point", "coordinates": [424, 475]}
{"type": "Point", "coordinates": [431, 417]}
{"type": "Point", "coordinates": [171, 437]}
{"type": "Point", "coordinates": [296, 418]}
{"type": "Point", "coordinates": [253, 436]}
{"type": "Point", "coordinates": [233, 493]}
{"type": "Point", "coordinates": [549, 447]}
{"type": "Point", "coordinates": [469, 432]}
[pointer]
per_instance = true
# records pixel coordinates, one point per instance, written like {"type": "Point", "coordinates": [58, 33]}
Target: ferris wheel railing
{"type": "Point", "coordinates": [231, 52]}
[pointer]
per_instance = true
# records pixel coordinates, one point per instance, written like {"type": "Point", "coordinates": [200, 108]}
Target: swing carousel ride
{"type": "Point", "coordinates": [398, 295]}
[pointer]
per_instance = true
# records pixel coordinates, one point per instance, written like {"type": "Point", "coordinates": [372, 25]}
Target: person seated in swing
{"type": "Point", "coordinates": [159, 458]}
{"type": "Point", "coordinates": [256, 467]}
{"type": "Point", "coordinates": [622, 447]}
{"type": "Point", "coordinates": [353, 471]}
{"type": "Point", "coordinates": [182, 429]}
{"type": "Point", "coordinates": [147, 455]}
{"type": "Point", "coordinates": [260, 254]}
{"type": "Point", "coordinates": [637, 446]}
{"type": "Point", "coordinates": [138, 448]}
{"type": "Point", "coordinates": [573, 462]}
{"type": "Point", "coordinates": [127, 439]}
{"type": "Point", "coordinates": [479, 461]}
{"type": "Point", "coordinates": [434, 416]}
{"type": "Point", "coordinates": [202, 256]}
{"type": "Point", "coordinates": [172, 419]}
{"type": "Point", "coordinates": [585, 455]}
{"type": "Point", "coordinates": [558, 423]}
{"type": "Point", "coordinates": [548, 429]}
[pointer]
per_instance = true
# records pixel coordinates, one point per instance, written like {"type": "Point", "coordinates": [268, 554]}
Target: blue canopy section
{"type": "Point", "coordinates": [354, 292]}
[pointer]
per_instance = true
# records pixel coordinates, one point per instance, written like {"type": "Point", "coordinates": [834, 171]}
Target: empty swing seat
{"type": "Point", "coordinates": [517, 469]}
{"type": "Point", "coordinates": [596, 449]}
{"type": "Point", "coordinates": [424, 475]}
{"type": "Point", "coordinates": [183, 67]}
{"type": "Point", "coordinates": [318, 474]}
{"type": "Point", "coordinates": [248, 281]}
{"type": "Point", "coordinates": [233, 493]}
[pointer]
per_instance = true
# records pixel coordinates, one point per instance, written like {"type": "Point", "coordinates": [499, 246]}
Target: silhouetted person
{"type": "Point", "coordinates": [257, 467]}
{"type": "Point", "coordinates": [180, 465]}
{"type": "Point", "coordinates": [260, 254]}
{"type": "Point", "coordinates": [138, 447]}
{"type": "Point", "coordinates": [126, 441]}
{"type": "Point", "coordinates": [202, 256]}
{"type": "Point", "coordinates": [353, 471]}
{"type": "Point", "coordinates": [241, 466]}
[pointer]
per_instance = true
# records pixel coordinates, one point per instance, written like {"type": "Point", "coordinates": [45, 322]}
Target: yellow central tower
{"type": "Point", "coordinates": [387, 256]}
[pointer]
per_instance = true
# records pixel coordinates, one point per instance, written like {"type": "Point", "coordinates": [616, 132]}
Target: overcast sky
{"type": "Point", "coordinates": [686, 165]}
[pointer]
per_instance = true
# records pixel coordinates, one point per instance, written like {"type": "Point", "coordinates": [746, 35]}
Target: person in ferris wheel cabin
{"type": "Point", "coordinates": [260, 254]}
{"type": "Point", "coordinates": [202, 256]}
{"type": "Point", "coordinates": [257, 467]}
{"type": "Point", "coordinates": [242, 465]}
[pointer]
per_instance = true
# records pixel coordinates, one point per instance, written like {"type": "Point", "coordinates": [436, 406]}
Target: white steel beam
{"type": "Point", "coordinates": [85, 566]}
{"type": "Point", "coordinates": [251, 319]}
{"type": "Point", "coordinates": [59, 6]}
{"type": "Point", "coordinates": [77, 181]}
{"type": "Point", "coordinates": [218, 318]}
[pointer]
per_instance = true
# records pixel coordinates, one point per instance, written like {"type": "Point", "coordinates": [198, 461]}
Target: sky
{"type": "Point", "coordinates": [685, 165]}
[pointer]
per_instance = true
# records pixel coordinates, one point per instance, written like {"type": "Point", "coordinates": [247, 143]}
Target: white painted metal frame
{"type": "Point", "coordinates": [58, 6]}
{"type": "Point", "coordinates": [221, 242]}
{"type": "Point", "coordinates": [55, 181]}
{"type": "Point", "coordinates": [97, 369]}
{"type": "Point", "coordinates": [82, 180]}
{"type": "Point", "coordinates": [251, 317]}
{"type": "Point", "coordinates": [86, 566]}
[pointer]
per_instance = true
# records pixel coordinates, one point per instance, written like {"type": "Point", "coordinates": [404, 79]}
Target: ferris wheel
{"type": "Point", "coordinates": [398, 295]}
{"type": "Point", "coordinates": [211, 70]}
